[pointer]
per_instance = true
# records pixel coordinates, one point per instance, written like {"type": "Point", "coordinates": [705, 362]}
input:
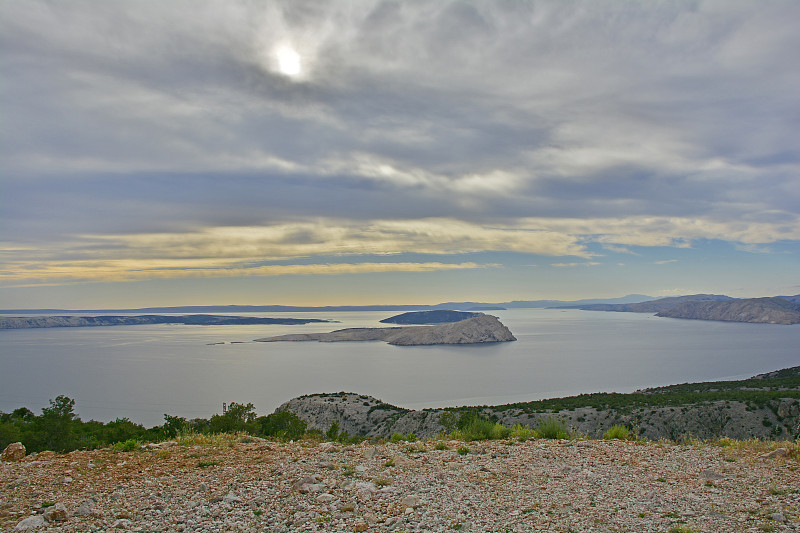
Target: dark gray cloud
{"type": "Point", "coordinates": [154, 117]}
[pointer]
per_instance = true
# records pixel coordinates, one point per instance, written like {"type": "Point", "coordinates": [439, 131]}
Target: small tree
{"type": "Point", "coordinates": [282, 424]}
{"type": "Point", "coordinates": [173, 425]}
{"type": "Point", "coordinates": [237, 418]}
{"type": "Point", "coordinates": [56, 425]}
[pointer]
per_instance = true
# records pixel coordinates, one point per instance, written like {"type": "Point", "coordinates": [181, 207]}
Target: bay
{"type": "Point", "coordinates": [142, 372]}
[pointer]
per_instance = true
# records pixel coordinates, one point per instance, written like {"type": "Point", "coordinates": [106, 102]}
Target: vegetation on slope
{"type": "Point", "coordinates": [58, 427]}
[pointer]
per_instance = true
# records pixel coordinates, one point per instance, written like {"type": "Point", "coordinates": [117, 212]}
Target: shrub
{"type": "Point", "coordinates": [551, 428]}
{"type": "Point", "coordinates": [472, 426]}
{"type": "Point", "coordinates": [521, 432]}
{"type": "Point", "coordinates": [617, 432]}
{"type": "Point", "coordinates": [283, 425]}
{"type": "Point", "coordinates": [463, 450]}
{"type": "Point", "coordinates": [126, 446]}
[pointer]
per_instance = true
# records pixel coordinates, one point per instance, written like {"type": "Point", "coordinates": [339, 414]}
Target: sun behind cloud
{"type": "Point", "coordinates": [289, 61]}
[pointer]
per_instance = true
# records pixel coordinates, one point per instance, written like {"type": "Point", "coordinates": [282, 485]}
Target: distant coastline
{"type": "Point", "coordinates": [100, 321]}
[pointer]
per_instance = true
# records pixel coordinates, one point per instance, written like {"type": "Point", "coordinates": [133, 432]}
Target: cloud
{"type": "Point", "coordinates": [572, 265]}
{"type": "Point", "coordinates": [665, 262]}
{"type": "Point", "coordinates": [619, 249]}
{"type": "Point", "coordinates": [125, 271]}
{"type": "Point", "coordinates": [133, 134]}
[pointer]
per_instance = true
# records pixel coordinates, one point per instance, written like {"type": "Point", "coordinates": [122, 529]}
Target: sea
{"type": "Point", "coordinates": [143, 372]}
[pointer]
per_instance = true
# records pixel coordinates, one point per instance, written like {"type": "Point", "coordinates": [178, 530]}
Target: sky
{"type": "Point", "coordinates": [410, 152]}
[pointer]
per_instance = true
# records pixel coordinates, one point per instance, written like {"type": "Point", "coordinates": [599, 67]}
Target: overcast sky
{"type": "Point", "coordinates": [297, 152]}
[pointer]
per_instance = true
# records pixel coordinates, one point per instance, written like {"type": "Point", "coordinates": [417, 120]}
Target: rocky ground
{"type": "Point", "coordinates": [539, 485]}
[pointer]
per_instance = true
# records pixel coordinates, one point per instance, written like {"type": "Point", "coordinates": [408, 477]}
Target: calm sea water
{"type": "Point", "coordinates": [142, 372]}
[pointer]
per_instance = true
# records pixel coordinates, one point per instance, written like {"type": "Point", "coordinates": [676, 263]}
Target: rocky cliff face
{"type": "Point", "coordinates": [757, 310]}
{"type": "Point", "coordinates": [480, 329]}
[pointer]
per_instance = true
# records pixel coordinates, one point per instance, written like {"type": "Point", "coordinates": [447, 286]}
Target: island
{"type": "Point", "coordinates": [95, 321]}
{"type": "Point", "coordinates": [438, 316]}
{"type": "Point", "coordinates": [477, 330]}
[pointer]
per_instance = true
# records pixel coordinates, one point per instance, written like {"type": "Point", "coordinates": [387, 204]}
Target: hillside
{"type": "Point", "coordinates": [757, 310]}
{"type": "Point", "coordinates": [248, 484]}
{"type": "Point", "coordinates": [653, 306]}
{"type": "Point", "coordinates": [760, 407]}
{"type": "Point", "coordinates": [480, 329]}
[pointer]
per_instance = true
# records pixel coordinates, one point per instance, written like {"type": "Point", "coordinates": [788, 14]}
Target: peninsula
{"type": "Point", "coordinates": [775, 310]}
{"type": "Point", "coordinates": [476, 330]}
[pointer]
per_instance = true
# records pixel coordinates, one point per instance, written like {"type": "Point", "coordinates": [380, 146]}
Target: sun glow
{"type": "Point", "coordinates": [289, 63]}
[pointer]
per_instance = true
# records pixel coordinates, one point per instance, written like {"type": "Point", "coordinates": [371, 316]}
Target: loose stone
{"type": "Point", "coordinates": [13, 452]}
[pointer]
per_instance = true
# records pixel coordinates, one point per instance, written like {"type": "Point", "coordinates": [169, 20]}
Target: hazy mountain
{"type": "Point", "coordinates": [653, 306]}
{"type": "Point", "coordinates": [775, 310]}
{"type": "Point", "coordinates": [523, 304]}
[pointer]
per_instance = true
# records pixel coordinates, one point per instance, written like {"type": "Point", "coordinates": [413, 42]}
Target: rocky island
{"type": "Point", "coordinates": [479, 329]}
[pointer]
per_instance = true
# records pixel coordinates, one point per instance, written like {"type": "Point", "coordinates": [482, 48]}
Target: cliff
{"type": "Point", "coordinates": [480, 329]}
{"type": "Point", "coordinates": [757, 310]}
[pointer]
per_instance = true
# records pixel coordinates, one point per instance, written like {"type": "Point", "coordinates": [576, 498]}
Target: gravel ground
{"type": "Point", "coordinates": [538, 485]}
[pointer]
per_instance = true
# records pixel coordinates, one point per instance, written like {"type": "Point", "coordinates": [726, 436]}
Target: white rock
{"type": "Point", "coordinates": [231, 497]}
{"type": "Point", "coordinates": [32, 522]}
{"type": "Point", "coordinates": [411, 500]}
{"type": "Point", "coordinates": [365, 486]}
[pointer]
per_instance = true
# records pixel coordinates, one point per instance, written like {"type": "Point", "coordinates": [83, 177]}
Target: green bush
{"type": "Point", "coordinates": [617, 432]}
{"type": "Point", "coordinates": [521, 432]}
{"type": "Point", "coordinates": [126, 446]}
{"type": "Point", "coordinates": [283, 425]}
{"type": "Point", "coordinates": [551, 428]}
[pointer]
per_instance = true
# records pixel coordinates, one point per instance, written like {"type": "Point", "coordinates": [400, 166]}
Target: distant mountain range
{"type": "Point", "coordinates": [771, 310]}
{"type": "Point", "coordinates": [467, 306]}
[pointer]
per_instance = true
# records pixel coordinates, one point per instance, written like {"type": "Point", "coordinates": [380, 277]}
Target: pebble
{"type": "Point", "coordinates": [538, 485]}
